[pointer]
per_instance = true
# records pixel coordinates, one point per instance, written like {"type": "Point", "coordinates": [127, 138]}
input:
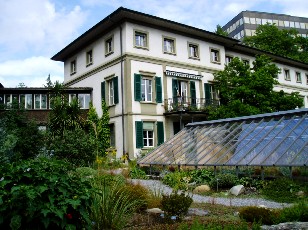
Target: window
{"type": "Point", "coordinates": [246, 61]}
{"type": "Point", "coordinates": [26, 100]}
{"type": "Point", "coordinates": [109, 46]}
{"type": "Point", "coordinates": [215, 56]}
{"type": "Point", "coordinates": [141, 39]}
{"type": "Point", "coordinates": [110, 94]}
{"type": "Point", "coordinates": [148, 134]}
{"type": "Point", "coordinates": [169, 45]}
{"type": "Point", "coordinates": [211, 94]}
{"type": "Point", "coordinates": [298, 77]}
{"type": "Point", "coordinates": [89, 58]}
{"type": "Point", "coordinates": [73, 67]}
{"type": "Point", "coordinates": [112, 135]}
{"type": "Point", "coordinates": [84, 101]}
{"type": "Point", "coordinates": [287, 75]}
{"type": "Point", "coordinates": [193, 50]}
{"type": "Point", "coordinates": [306, 79]}
{"type": "Point", "coordinates": [146, 89]}
{"type": "Point", "coordinates": [40, 101]}
{"type": "Point", "coordinates": [228, 59]}
{"type": "Point", "coordinates": [183, 93]}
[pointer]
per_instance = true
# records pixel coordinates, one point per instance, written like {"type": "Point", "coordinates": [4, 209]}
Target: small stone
{"type": "Point", "coordinates": [237, 190]}
{"type": "Point", "coordinates": [202, 188]}
{"type": "Point", "coordinates": [197, 212]}
{"type": "Point", "coordinates": [155, 210]}
{"type": "Point", "coordinates": [300, 193]}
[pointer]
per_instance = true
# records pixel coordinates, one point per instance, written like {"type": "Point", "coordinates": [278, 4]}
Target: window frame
{"type": "Point", "coordinates": [73, 66]}
{"type": "Point", "coordinates": [147, 136]}
{"type": "Point", "coordinates": [89, 57]}
{"type": "Point", "coordinates": [287, 75]}
{"type": "Point", "coordinates": [197, 53]}
{"type": "Point", "coordinates": [298, 76]}
{"type": "Point", "coordinates": [228, 57]}
{"type": "Point", "coordinates": [40, 101]}
{"type": "Point", "coordinates": [110, 84]}
{"type": "Point", "coordinates": [172, 45]}
{"type": "Point", "coordinates": [109, 45]}
{"type": "Point", "coordinates": [146, 43]}
{"type": "Point", "coordinates": [215, 51]}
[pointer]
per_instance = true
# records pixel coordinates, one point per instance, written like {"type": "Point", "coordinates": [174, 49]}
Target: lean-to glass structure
{"type": "Point", "coordinates": [273, 139]}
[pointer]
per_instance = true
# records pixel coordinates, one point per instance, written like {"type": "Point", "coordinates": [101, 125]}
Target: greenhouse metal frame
{"type": "Point", "coordinates": [272, 139]}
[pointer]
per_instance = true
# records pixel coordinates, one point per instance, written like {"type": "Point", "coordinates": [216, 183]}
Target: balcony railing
{"type": "Point", "coordinates": [188, 104]}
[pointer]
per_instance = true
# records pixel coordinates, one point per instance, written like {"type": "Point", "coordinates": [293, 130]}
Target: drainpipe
{"type": "Point", "coordinates": [122, 92]}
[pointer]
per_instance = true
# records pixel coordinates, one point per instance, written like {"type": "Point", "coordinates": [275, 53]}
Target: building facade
{"type": "Point", "coordinates": [246, 23]}
{"type": "Point", "coordinates": [156, 75]}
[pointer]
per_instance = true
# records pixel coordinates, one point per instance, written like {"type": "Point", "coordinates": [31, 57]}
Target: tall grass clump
{"type": "Point", "coordinates": [113, 205]}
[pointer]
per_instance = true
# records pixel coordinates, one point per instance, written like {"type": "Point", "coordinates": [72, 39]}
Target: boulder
{"type": "Point", "coordinates": [237, 190]}
{"type": "Point", "coordinates": [202, 188]}
{"type": "Point", "coordinates": [155, 210]}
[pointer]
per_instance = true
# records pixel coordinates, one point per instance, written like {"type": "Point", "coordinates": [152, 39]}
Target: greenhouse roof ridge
{"type": "Point", "coordinates": [258, 116]}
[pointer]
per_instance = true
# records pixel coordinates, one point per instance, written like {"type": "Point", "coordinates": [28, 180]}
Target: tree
{"type": "Point", "coordinates": [244, 91]}
{"type": "Point", "coordinates": [49, 83]}
{"type": "Point", "coordinates": [99, 128]}
{"type": "Point", "coordinates": [220, 31]}
{"type": "Point", "coordinates": [21, 85]}
{"type": "Point", "coordinates": [286, 43]}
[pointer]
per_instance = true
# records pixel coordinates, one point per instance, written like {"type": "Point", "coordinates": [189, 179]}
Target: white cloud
{"type": "Point", "coordinates": [36, 26]}
{"type": "Point", "coordinates": [33, 71]}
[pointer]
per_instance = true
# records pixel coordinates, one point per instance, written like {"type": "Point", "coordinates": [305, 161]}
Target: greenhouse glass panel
{"type": "Point", "coordinates": [273, 139]}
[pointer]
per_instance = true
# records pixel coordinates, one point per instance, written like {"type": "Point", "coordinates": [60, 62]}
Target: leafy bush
{"type": "Point", "coordinates": [137, 173]}
{"type": "Point", "coordinates": [112, 206]}
{"type": "Point", "coordinates": [43, 193]}
{"type": "Point", "coordinates": [257, 214]}
{"type": "Point", "coordinates": [65, 147]}
{"type": "Point", "coordinates": [176, 204]}
{"type": "Point", "coordinates": [138, 192]}
{"type": "Point", "coordinates": [224, 181]}
{"type": "Point", "coordinates": [297, 212]}
{"type": "Point", "coordinates": [176, 179]}
{"type": "Point", "coordinates": [281, 190]}
{"type": "Point", "coordinates": [202, 176]}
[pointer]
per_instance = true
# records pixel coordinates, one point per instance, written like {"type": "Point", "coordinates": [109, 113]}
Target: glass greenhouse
{"type": "Point", "coordinates": [273, 139]}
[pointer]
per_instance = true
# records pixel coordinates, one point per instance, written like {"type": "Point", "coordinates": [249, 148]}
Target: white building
{"type": "Point", "coordinates": [156, 75]}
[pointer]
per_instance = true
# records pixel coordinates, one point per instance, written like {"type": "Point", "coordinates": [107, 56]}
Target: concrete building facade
{"type": "Point", "coordinates": [246, 23]}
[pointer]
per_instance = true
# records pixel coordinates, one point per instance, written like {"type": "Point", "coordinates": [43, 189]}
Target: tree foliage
{"type": "Point", "coordinates": [246, 91]}
{"type": "Point", "coordinates": [220, 31]}
{"type": "Point", "coordinates": [287, 43]}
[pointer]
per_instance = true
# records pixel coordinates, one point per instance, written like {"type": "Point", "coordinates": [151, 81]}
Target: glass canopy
{"type": "Point", "coordinates": [273, 139]}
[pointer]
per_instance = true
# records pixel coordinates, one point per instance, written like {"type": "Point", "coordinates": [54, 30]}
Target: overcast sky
{"type": "Point", "coordinates": [32, 31]}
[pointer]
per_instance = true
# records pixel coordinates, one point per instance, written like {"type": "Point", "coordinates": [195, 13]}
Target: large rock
{"type": "Point", "coordinates": [155, 211]}
{"type": "Point", "coordinates": [202, 188]}
{"type": "Point", "coordinates": [237, 190]}
{"type": "Point", "coordinates": [286, 226]}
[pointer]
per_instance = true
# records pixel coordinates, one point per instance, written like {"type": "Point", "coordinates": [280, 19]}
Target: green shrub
{"type": "Point", "coordinates": [137, 173]}
{"type": "Point", "coordinates": [113, 205]}
{"type": "Point", "coordinates": [86, 172]}
{"type": "Point", "coordinates": [281, 190]}
{"type": "Point", "coordinates": [43, 193]}
{"type": "Point", "coordinates": [224, 181]}
{"type": "Point", "coordinates": [138, 192]}
{"type": "Point", "coordinates": [202, 176]}
{"type": "Point", "coordinates": [297, 212]}
{"type": "Point", "coordinates": [176, 180]}
{"type": "Point", "coordinates": [257, 214]}
{"type": "Point", "coordinates": [176, 204]}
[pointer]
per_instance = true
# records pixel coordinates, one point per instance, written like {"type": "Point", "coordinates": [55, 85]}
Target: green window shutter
{"type": "Point", "coordinates": [193, 93]}
{"type": "Point", "coordinates": [207, 92]}
{"type": "Point", "coordinates": [103, 91]}
{"type": "Point", "coordinates": [174, 90]}
{"type": "Point", "coordinates": [116, 90]}
{"type": "Point", "coordinates": [159, 96]}
{"type": "Point", "coordinates": [139, 134]}
{"type": "Point", "coordinates": [137, 88]}
{"type": "Point", "coordinates": [160, 132]}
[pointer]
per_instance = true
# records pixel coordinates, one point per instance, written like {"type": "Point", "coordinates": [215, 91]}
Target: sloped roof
{"type": "Point", "coordinates": [273, 139]}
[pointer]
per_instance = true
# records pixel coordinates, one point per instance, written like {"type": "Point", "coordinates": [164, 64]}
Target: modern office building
{"type": "Point", "coordinates": [246, 23]}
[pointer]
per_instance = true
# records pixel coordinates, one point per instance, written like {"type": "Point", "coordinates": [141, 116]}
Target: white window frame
{"type": "Point", "coordinates": [298, 77]}
{"type": "Point", "coordinates": [228, 59]}
{"type": "Point", "coordinates": [146, 86]}
{"type": "Point", "coordinates": [193, 50]}
{"type": "Point", "coordinates": [41, 99]}
{"type": "Point", "coordinates": [110, 92]}
{"type": "Point", "coordinates": [141, 39]}
{"type": "Point", "coordinates": [215, 55]}
{"type": "Point", "coordinates": [109, 45]}
{"type": "Point", "coordinates": [148, 136]}
{"type": "Point", "coordinates": [84, 100]}
{"type": "Point", "coordinates": [73, 66]}
{"type": "Point", "coordinates": [89, 58]}
{"type": "Point", "coordinates": [287, 76]}
{"type": "Point", "coordinates": [169, 45]}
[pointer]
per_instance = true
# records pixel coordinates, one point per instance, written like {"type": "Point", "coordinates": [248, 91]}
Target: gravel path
{"type": "Point", "coordinates": [158, 186]}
